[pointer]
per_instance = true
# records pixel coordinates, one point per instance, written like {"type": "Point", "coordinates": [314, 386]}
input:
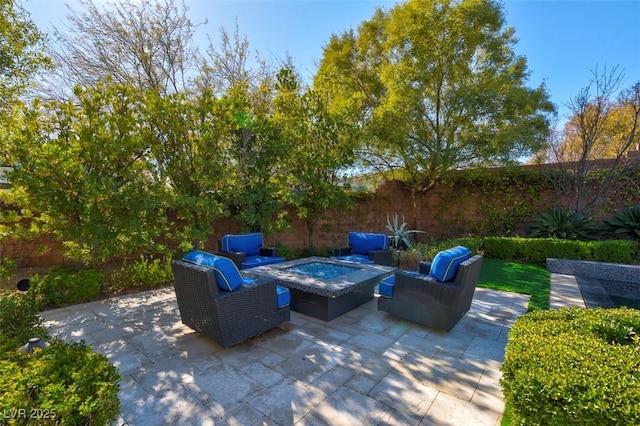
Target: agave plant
{"type": "Point", "coordinates": [625, 224]}
{"type": "Point", "coordinates": [401, 236]}
{"type": "Point", "coordinates": [561, 224]}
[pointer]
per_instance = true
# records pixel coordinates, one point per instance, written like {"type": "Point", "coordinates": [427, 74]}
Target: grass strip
{"type": "Point", "coordinates": [518, 277]}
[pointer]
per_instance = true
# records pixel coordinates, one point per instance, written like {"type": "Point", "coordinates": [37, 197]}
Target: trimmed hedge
{"type": "Point", "coordinates": [574, 366]}
{"type": "Point", "coordinates": [537, 250]}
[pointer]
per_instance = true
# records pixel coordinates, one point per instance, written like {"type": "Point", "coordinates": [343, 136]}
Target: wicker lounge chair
{"type": "Point", "coordinates": [226, 317]}
{"type": "Point", "coordinates": [420, 298]}
{"type": "Point", "coordinates": [365, 247]}
{"type": "Point", "coordinates": [247, 250]}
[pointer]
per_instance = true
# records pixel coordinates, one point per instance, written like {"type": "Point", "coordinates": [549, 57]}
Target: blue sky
{"type": "Point", "coordinates": [563, 40]}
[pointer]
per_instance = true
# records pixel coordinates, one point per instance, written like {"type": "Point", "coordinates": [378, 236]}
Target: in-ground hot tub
{"type": "Point", "coordinates": [325, 288]}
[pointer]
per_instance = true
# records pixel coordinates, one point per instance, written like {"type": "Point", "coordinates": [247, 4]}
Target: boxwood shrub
{"type": "Point", "coordinates": [574, 366]}
{"type": "Point", "coordinates": [537, 250]}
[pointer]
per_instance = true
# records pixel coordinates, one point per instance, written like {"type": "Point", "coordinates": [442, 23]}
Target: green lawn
{"type": "Point", "coordinates": [518, 277]}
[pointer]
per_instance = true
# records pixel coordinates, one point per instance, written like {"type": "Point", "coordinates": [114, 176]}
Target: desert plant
{"type": "Point", "coordinates": [562, 224]}
{"type": "Point", "coordinates": [625, 224]}
{"type": "Point", "coordinates": [401, 236]}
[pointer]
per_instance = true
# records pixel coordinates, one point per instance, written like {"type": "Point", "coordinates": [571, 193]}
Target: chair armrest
{"type": "Point", "coordinates": [381, 257]}
{"type": "Point", "coordinates": [424, 267]}
{"type": "Point", "coordinates": [238, 257]}
{"type": "Point", "coordinates": [341, 251]}
{"type": "Point", "coordinates": [269, 251]}
{"type": "Point", "coordinates": [418, 285]}
{"type": "Point", "coordinates": [257, 301]}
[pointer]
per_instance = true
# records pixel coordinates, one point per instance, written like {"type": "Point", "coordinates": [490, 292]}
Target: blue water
{"type": "Point", "coordinates": [320, 270]}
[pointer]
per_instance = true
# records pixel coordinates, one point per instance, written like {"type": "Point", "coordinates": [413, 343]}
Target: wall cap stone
{"type": "Point", "coordinates": [598, 270]}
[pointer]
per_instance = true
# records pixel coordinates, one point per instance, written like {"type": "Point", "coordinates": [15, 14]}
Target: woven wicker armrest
{"type": "Point", "coordinates": [381, 257]}
{"type": "Point", "coordinates": [421, 286]}
{"type": "Point", "coordinates": [341, 251]}
{"type": "Point", "coordinates": [238, 257]}
{"type": "Point", "coordinates": [269, 251]}
{"type": "Point", "coordinates": [424, 267]}
{"type": "Point", "coordinates": [227, 317]}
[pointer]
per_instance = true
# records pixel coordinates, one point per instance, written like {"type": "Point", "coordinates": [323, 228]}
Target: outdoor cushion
{"type": "Point", "coordinates": [227, 275]}
{"type": "Point", "coordinates": [388, 284]}
{"type": "Point", "coordinates": [363, 243]}
{"type": "Point", "coordinates": [445, 264]}
{"type": "Point", "coordinates": [284, 296]}
{"type": "Point", "coordinates": [246, 243]}
{"type": "Point", "coordinates": [386, 287]}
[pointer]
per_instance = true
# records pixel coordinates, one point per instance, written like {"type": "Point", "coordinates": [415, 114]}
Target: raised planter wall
{"type": "Point", "coordinates": [598, 270]}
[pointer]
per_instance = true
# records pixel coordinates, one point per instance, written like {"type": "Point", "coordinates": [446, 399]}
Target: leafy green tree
{"type": "Point", "coordinates": [83, 175]}
{"type": "Point", "coordinates": [21, 51]}
{"type": "Point", "coordinates": [21, 58]}
{"type": "Point", "coordinates": [437, 86]}
{"type": "Point", "coordinates": [258, 190]}
{"type": "Point", "coordinates": [321, 145]}
{"type": "Point", "coordinates": [189, 142]}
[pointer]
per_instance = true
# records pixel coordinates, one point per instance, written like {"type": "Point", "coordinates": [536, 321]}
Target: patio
{"type": "Point", "coordinates": [365, 367]}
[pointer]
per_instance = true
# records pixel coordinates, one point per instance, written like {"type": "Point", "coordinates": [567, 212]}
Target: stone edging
{"type": "Point", "coordinates": [598, 270]}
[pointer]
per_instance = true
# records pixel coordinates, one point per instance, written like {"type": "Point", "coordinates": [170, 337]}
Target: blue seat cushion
{"type": "Point", "coordinates": [227, 275]}
{"type": "Point", "coordinates": [284, 296]}
{"type": "Point", "coordinates": [386, 287]}
{"type": "Point", "coordinates": [252, 261]}
{"type": "Point", "coordinates": [363, 242]}
{"type": "Point", "coordinates": [354, 258]}
{"type": "Point", "coordinates": [246, 243]}
{"type": "Point", "coordinates": [445, 264]}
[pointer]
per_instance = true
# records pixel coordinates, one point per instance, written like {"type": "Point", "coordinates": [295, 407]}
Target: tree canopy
{"type": "Point", "coordinates": [436, 85]}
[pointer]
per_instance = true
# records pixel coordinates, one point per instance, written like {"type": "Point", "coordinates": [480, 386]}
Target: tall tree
{"type": "Point", "coordinates": [148, 45]}
{"type": "Point", "coordinates": [83, 174]}
{"type": "Point", "coordinates": [437, 86]}
{"type": "Point", "coordinates": [322, 145]}
{"type": "Point", "coordinates": [189, 141]}
{"type": "Point", "coordinates": [603, 123]}
{"type": "Point", "coordinates": [21, 58]}
{"type": "Point", "coordinates": [21, 52]}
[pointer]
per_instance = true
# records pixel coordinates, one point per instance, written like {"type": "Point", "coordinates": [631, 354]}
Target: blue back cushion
{"type": "Point", "coordinates": [363, 243]}
{"type": "Point", "coordinates": [445, 264]}
{"type": "Point", "coordinates": [228, 277]}
{"type": "Point", "coordinates": [247, 243]}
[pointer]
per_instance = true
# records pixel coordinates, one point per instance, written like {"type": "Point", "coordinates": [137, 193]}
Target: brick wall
{"type": "Point", "coordinates": [443, 212]}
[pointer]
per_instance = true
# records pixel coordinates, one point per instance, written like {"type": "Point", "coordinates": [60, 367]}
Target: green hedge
{"type": "Point", "coordinates": [574, 366]}
{"type": "Point", "coordinates": [64, 384]}
{"type": "Point", "coordinates": [537, 250]}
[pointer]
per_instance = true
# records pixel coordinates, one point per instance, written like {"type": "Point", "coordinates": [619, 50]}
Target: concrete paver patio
{"type": "Point", "coordinates": [365, 367]}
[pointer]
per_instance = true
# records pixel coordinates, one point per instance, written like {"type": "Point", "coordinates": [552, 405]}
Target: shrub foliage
{"type": "Point", "coordinates": [69, 383]}
{"type": "Point", "coordinates": [62, 286]}
{"type": "Point", "coordinates": [574, 366]}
